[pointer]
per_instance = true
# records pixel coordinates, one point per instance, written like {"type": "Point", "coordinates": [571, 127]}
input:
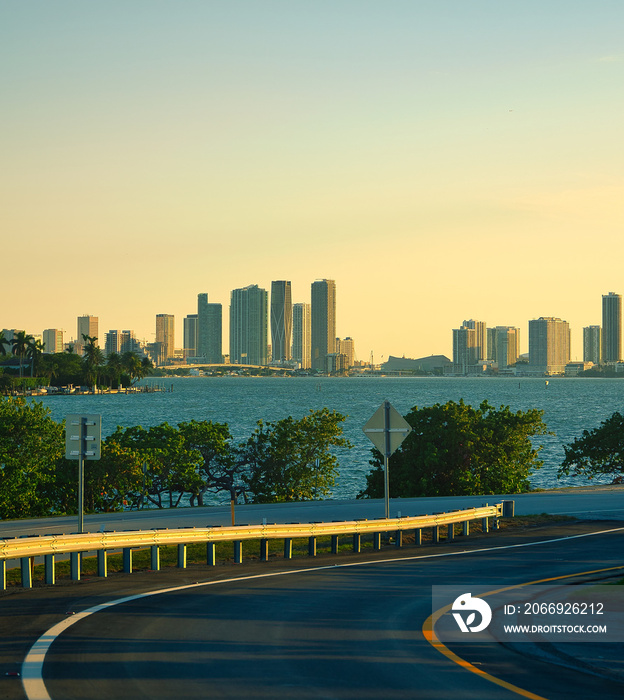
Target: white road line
{"type": "Point", "coordinates": [32, 666]}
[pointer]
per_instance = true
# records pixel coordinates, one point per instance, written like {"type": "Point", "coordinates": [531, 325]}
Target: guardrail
{"type": "Point", "coordinates": [49, 546]}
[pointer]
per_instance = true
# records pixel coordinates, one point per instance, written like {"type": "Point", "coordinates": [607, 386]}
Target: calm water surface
{"type": "Point", "coordinates": [570, 406]}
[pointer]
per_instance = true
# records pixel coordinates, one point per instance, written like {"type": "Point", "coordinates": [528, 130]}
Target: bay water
{"type": "Point", "coordinates": [570, 406]}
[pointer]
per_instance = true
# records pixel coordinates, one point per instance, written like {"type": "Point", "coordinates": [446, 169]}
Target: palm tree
{"type": "Point", "coordinates": [21, 342]}
{"type": "Point", "coordinates": [35, 349]}
{"type": "Point", "coordinates": [93, 359]}
{"type": "Point", "coordinates": [114, 369]}
{"type": "Point", "coordinates": [3, 341]}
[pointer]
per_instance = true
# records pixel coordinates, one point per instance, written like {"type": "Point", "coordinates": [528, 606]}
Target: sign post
{"type": "Point", "coordinates": [83, 438]}
{"type": "Point", "coordinates": [387, 429]}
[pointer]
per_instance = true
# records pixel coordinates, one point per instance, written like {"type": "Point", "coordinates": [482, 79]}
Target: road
{"type": "Point", "coordinates": [329, 631]}
{"type": "Point", "coordinates": [600, 503]}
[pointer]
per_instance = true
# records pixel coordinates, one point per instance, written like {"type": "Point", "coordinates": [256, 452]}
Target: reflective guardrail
{"type": "Point", "coordinates": [49, 546]}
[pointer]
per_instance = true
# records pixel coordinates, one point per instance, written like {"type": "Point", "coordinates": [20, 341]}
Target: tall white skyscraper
{"type": "Point", "coordinates": [549, 345]}
{"type": "Point", "coordinates": [301, 347]}
{"type": "Point", "coordinates": [248, 326]}
{"type": "Point", "coordinates": [323, 295]}
{"type": "Point", "coordinates": [281, 320]}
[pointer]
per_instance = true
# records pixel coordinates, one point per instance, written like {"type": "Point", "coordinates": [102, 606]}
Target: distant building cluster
{"type": "Point", "coordinates": [478, 349]}
{"type": "Point", "coordinates": [280, 333]}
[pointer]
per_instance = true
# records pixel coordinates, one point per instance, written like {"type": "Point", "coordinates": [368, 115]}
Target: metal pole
{"type": "Point", "coordinates": [81, 494]}
{"type": "Point", "coordinates": [387, 457]}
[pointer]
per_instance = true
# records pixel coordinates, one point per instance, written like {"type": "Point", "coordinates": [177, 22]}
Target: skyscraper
{"type": "Point", "coordinates": [209, 330]}
{"type": "Point", "coordinates": [611, 328]}
{"type": "Point", "coordinates": [549, 345]}
{"type": "Point", "coordinates": [301, 347]}
{"type": "Point", "coordinates": [87, 325]}
{"type": "Point", "coordinates": [323, 323]}
{"type": "Point", "coordinates": [52, 340]}
{"type": "Point", "coordinates": [281, 320]}
{"type": "Point", "coordinates": [165, 336]}
{"type": "Point", "coordinates": [592, 344]}
{"type": "Point", "coordinates": [507, 346]}
{"type": "Point", "coordinates": [464, 349]}
{"type": "Point", "coordinates": [480, 346]}
{"type": "Point", "coordinates": [248, 326]}
{"type": "Point", "coordinates": [190, 336]}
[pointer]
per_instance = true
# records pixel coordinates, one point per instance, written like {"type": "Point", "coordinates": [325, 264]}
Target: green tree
{"type": "Point", "coordinates": [597, 452]}
{"type": "Point", "coordinates": [292, 460]}
{"type": "Point", "coordinates": [456, 450]}
{"type": "Point", "coordinates": [35, 351]}
{"type": "Point", "coordinates": [93, 359]}
{"type": "Point", "coordinates": [4, 341]}
{"type": "Point", "coordinates": [217, 471]}
{"type": "Point", "coordinates": [21, 343]}
{"type": "Point", "coordinates": [31, 443]}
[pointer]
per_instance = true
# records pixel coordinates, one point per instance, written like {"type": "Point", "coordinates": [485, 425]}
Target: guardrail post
{"type": "Point", "coordinates": [155, 558]}
{"type": "Point", "coordinates": [435, 534]}
{"type": "Point", "coordinates": [334, 544]}
{"type": "Point", "coordinates": [484, 525]}
{"type": "Point", "coordinates": [238, 552]}
{"type": "Point", "coordinates": [102, 563]}
{"type": "Point", "coordinates": [181, 556]}
{"type": "Point", "coordinates": [398, 538]}
{"type": "Point", "coordinates": [418, 536]}
{"type": "Point", "coordinates": [50, 574]}
{"type": "Point", "coordinates": [357, 542]}
{"type": "Point", "coordinates": [450, 535]}
{"type": "Point", "coordinates": [211, 553]}
{"type": "Point", "coordinates": [466, 528]}
{"type": "Point", "coordinates": [376, 541]}
{"type": "Point", "coordinates": [26, 572]}
{"type": "Point", "coordinates": [288, 548]}
{"type": "Point", "coordinates": [75, 566]}
{"type": "Point", "coordinates": [127, 560]}
{"type": "Point", "coordinates": [3, 575]}
{"type": "Point", "coordinates": [496, 524]}
{"type": "Point", "coordinates": [508, 509]}
{"type": "Point", "coordinates": [264, 549]}
{"type": "Point", "coordinates": [312, 546]}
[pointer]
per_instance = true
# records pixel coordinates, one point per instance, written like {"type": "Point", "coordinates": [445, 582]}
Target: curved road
{"type": "Point", "coordinates": [349, 631]}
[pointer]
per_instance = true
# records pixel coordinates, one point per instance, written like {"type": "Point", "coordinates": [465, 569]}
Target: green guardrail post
{"type": "Point", "coordinates": [334, 544]}
{"type": "Point", "coordinates": [26, 572]}
{"type": "Point", "coordinates": [466, 528]}
{"type": "Point", "coordinates": [450, 534]}
{"type": "Point", "coordinates": [264, 549]}
{"type": "Point", "coordinates": [238, 552]}
{"type": "Point", "coordinates": [127, 560]}
{"type": "Point", "coordinates": [288, 548]}
{"type": "Point", "coordinates": [181, 556]}
{"type": "Point", "coordinates": [418, 536]}
{"type": "Point", "coordinates": [75, 566]}
{"type": "Point", "coordinates": [435, 534]}
{"type": "Point", "coordinates": [357, 542]}
{"type": "Point", "coordinates": [50, 573]}
{"type": "Point", "coordinates": [211, 553]}
{"type": "Point", "coordinates": [484, 525]}
{"type": "Point", "coordinates": [376, 541]}
{"type": "Point", "coordinates": [312, 546]}
{"type": "Point", "coordinates": [3, 574]}
{"type": "Point", "coordinates": [102, 563]}
{"type": "Point", "coordinates": [155, 558]}
{"type": "Point", "coordinates": [398, 538]}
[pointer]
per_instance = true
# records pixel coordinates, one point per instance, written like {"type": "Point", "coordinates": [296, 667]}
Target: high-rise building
{"type": "Point", "coordinates": [190, 336]}
{"type": "Point", "coordinates": [464, 349]}
{"type": "Point", "coordinates": [549, 345]}
{"type": "Point", "coordinates": [248, 326]}
{"type": "Point", "coordinates": [592, 344]}
{"type": "Point", "coordinates": [507, 346]}
{"type": "Point", "coordinates": [209, 330]}
{"type": "Point", "coordinates": [346, 347]}
{"type": "Point", "coordinates": [301, 347]}
{"type": "Point", "coordinates": [52, 340]}
{"type": "Point", "coordinates": [165, 336]}
{"type": "Point", "coordinates": [611, 328]}
{"type": "Point", "coordinates": [86, 326]}
{"type": "Point", "coordinates": [281, 320]}
{"type": "Point", "coordinates": [323, 322]}
{"type": "Point", "coordinates": [112, 343]}
{"type": "Point", "coordinates": [480, 346]}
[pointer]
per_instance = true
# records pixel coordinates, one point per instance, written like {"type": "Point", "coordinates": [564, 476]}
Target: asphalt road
{"type": "Point", "coordinates": [329, 631]}
{"type": "Point", "coordinates": [594, 503]}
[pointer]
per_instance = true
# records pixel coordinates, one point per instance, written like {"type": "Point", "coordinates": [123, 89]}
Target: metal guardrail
{"type": "Point", "coordinates": [48, 546]}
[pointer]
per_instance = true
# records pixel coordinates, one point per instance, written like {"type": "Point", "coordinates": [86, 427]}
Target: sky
{"type": "Point", "coordinates": [441, 160]}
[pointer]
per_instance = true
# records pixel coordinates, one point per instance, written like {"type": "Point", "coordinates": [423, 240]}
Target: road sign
{"type": "Point", "coordinates": [387, 429]}
{"type": "Point", "coordinates": [83, 440]}
{"type": "Point", "coordinates": [83, 436]}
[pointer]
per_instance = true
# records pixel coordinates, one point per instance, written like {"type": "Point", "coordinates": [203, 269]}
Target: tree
{"type": "Point", "coordinates": [31, 443]}
{"type": "Point", "coordinates": [3, 341]}
{"type": "Point", "coordinates": [35, 350]}
{"type": "Point", "coordinates": [217, 470]}
{"type": "Point", "coordinates": [457, 450]}
{"type": "Point", "coordinates": [93, 359]}
{"type": "Point", "coordinates": [21, 343]}
{"type": "Point", "coordinates": [292, 460]}
{"type": "Point", "coordinates": [598, 451]}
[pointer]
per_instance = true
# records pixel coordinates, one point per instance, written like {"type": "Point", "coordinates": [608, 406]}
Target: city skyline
{"type": "Point", "coordinates": [439, 161]}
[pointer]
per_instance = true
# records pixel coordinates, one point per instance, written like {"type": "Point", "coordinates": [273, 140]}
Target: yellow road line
{"type": "Point", "coordinates": [428, 630]}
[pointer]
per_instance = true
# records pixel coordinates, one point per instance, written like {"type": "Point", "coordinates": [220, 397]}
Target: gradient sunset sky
{"type": "Point", "coordinates": [441, 160]}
